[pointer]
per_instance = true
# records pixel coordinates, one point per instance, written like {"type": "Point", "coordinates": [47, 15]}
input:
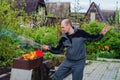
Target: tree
{"type": "Point", "coordinates": [117, 17]}
{"type": "Point", "coordinates": [78, 17]}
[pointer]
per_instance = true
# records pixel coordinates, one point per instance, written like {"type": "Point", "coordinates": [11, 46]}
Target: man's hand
{"type": "Point", "coordinates": [105, 29]}
{"type": "Point", "coordinates": [45, 47]}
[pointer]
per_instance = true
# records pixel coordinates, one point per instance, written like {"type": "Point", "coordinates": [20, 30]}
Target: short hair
{"type": "Point", "coordinates": [67, 21]}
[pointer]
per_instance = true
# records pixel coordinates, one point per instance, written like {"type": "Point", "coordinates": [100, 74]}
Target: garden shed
{"type": "Point", "coordinates": [30, 5]}
{"type": "Point", "coordinates": [94, 13]}
{"type": "Point", "coordinates": [34, 8]}
{"type": "Point", "coordinates": [57, 11]}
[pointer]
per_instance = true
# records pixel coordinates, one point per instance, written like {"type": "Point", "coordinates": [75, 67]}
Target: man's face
{"type": "Point", "coordinates": [65, 28]}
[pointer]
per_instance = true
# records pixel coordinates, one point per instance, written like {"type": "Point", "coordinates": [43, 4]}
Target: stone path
{"type": "Point", "coordinates": [99, 70]}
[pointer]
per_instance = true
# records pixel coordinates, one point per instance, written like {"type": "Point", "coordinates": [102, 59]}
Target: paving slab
{"type": "Point", "coordinates": [100, 70]}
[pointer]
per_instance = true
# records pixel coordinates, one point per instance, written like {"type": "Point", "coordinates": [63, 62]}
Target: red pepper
{"type": "Point", "coordinates": [39, 53]}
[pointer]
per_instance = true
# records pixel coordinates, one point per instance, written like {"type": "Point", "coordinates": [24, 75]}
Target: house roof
{"type": "Point", "coordinates": [94, 8]}
{"type": "Point", "coordinates": [102, 14]}
{"type": "Point", "coordinates": [29, 5]}
{"type": "Point", "coordinates": [58, 9]}
{"type": "Point", "coordinates": [108, 13]}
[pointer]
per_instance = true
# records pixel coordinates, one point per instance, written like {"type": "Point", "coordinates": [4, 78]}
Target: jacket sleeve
{"type": "Point", "coordinates": [91, 37]}
{"type": "Point", "coordinates": [58, 49]}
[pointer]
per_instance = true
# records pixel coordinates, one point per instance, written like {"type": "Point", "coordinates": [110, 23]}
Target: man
{"type": "Point", "coordinates": [73, 40]}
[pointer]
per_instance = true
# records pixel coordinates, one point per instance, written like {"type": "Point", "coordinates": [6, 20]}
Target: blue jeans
{"type": "Point", "coordinates": [77, 68]}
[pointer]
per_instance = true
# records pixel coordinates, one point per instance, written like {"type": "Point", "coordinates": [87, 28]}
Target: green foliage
{"type": "Point", "coordinates": [111, 20]}
{"type": "Point", "coordinates": [49, 55]}
{"type": "Point", "coordinates": [9, 14]}
{"type": "Point", "coordinates": [42, 35]}
{"type": "Point", "coordinates": [108, 46]}
{"type": "Point", "coordinates": [4, 7]}
{"type": "Point", "coordinates": [79, 18]}
{"type": "Point", "coordinates": [10, 20]}
{"type": "Point", "coordinates": [109, 43]}
{"type": "Point", "coordinates": [46, 35]}
{"type": "Point", "coordinates": [9, 40]}
{"type": "Point", "coordinates": [38, 17]}
{"type": "Point", "coordinates": [115, 20]}
{"type": "Point", "coordinates": [8, 51]}
{"type": "Point", "coordinates": [117, 17]}
{"type": "Point", "coordinates": [106, 54]}
{"type": "Point", "coordinates": [93, 27]}
{"type": "Point", "coordinates": [92, 56]}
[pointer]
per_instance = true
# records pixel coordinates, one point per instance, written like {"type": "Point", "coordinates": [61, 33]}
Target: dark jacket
{"type": "Point", "coordinates": [74, 44]}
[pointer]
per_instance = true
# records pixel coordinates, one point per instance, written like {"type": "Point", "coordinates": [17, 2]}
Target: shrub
{"type": "Point", "coordinates": [109, 43]}
{"type": "Point", "coordinates": [107, 54]}
{"type": "Point", "coordinates": [8, 51]}
{"type": "Point", "coordinates": [9, 41]}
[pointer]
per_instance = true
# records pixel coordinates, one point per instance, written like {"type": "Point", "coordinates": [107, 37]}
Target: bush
{"type": "Point", "coordinates": [109, 43]}
{"type": "Point", "coordinates": [10, 40]}
{"type": "Point", "coordinates": [46, 35]}
{"type": "Point", "coordinates": [107, 54]}
{"type": "Point", "coordinates": [8, 51]}
{"type": "Point", "coordinates": [92, 56]}
{"type": "Point", "coordinates": [10, 21]}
